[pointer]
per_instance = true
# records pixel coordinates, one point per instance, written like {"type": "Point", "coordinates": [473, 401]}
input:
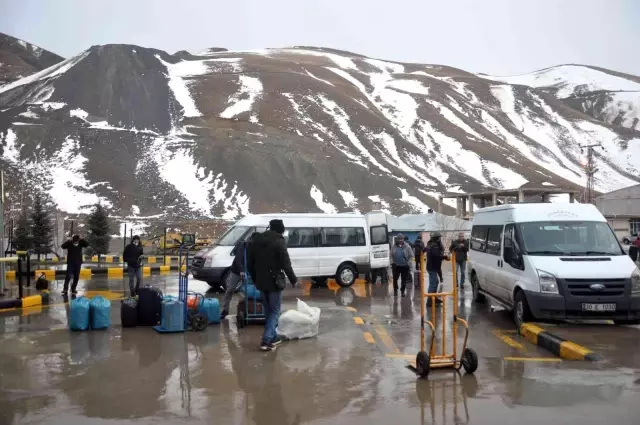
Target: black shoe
{"type": "Point", "coordinates": [272, 346]}
{"type": "Point", "coordinates": [74, 292]}
{"type": "Point", "coordinates": [64, 293]}
{"type": "Point", "coordinates": [395, 293]}
{"type": "Point", "coordinates": [224, 314]}
{"type": "Point", "coordinates": [402, 294]}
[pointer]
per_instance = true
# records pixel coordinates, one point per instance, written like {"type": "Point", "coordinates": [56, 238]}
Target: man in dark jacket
{"type": "Point", "coordinates": [434, 256]}
{"type": "Point", "coordinates": [236, 274]}
{"type": "Point", "coordinates": [418, 247]}
{"type": "Point", "coordinates": [74, 247]}
{"type": "Point", "coordinates": [132, 255]}
{"type": "Point", "coordinates": [267, 262]}
{"type": "Point", "coordinates": [460, 248]}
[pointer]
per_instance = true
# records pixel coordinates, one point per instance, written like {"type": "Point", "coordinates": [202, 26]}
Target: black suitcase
{"type": "Point", "coordinates": [129, 313]}
{"type": "Point", "coordinates": [149, 306]}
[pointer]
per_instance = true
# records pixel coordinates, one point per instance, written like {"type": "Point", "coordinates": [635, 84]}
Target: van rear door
{"type": "Point", "coordinates": [378, 239]}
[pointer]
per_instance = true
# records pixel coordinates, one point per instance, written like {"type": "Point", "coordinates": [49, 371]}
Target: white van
{"type": "Point", "coordinates": [320, 245]}
{"type": "Point", "coordinates": [552, 261]}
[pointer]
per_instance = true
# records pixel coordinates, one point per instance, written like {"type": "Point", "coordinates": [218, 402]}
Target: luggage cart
{"type": "Point", "coordinates": [246, 315]}
{"type": "Point", "coordinates": [191, 317]}
{"type": "Point", "coordinates": [427, 360]}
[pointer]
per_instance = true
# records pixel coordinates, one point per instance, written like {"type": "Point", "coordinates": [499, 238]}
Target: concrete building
{"type": "Point", "coordinates": [529, 192]}
{"type": "Point", "coordinates": [622, 210]}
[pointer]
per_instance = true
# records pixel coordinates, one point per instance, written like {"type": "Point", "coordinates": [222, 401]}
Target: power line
{"type": "Point", "coordinates": [590, 170]}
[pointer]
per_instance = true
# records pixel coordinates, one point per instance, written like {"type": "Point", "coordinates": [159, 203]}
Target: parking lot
{"type": "Point", "coordinates": [354, 372]}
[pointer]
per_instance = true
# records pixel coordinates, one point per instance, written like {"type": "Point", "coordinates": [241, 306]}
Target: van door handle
{"type": "Point", "coordinates": [499, 263]}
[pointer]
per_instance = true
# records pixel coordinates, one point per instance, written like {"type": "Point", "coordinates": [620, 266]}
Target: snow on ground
{"type": "Point", "coordinates": [627, 104]}
{"type": "Point", "coordinates": [386, 67]}
{"type": "Point", "coordinates": [341, 61]}
{"type": "Point", "coordinates": [384, 205]}
{"type": "Point", "coordinates": [79, 113]}
{"type": "Point", "coordinates": [323, 205]}
{"type": "Point", "coordinates": [126, 228]}
{"type": "Point", "coordinates": [413, 201]}
{"type": "Point", "coordinates": [10, 150]}
{"type": "Point", "coordinates": [507, 100]}
{"type": "Point", "coordinates": [318, 78]}
{"type": "Point", "coordinates": [569, 79]}
{"type": "Point", "coordinates": [52, 72]}
{"type": "Point", "coordinates": [29, 114]}
{"type": "Point", "coordinates": [349, 199]}
{"type": "Point", "coordinates": [103, 125]}
{"type": "Point", "coordinates": [178, 167]}
{"type": "Point", "coordinates": [250, 90]}
{"type": "Point", "coordinates": [135, 210]}
{"type": "Point", "coordinates": [411, 86]}
{"type": "Point", "coordinates": [67, 169]}
{"type": "Point", "coordinates": [176, 74]}
{"type": "Point", "coordinates": [49, 106]}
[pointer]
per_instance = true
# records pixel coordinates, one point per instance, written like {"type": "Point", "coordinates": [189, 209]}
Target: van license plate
{"type": "Point", "coordinates": [598, 307]}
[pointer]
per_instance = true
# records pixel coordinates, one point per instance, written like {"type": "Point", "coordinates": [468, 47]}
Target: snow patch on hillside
{"type": "Point", "coordinates": [627, 106]}
{"type": "Point", "coordinates": [10, 150]}
{"type": "Point", "coordinates": [29, 114]}
{"type": "Point", "coordinates": [507, 100]}
{"type": "Point", "coordinates": [319, 199]}
{"type": "Point", "coordinates": [318, 78]}
{"type": "Point", "coordinates": [570, 79]}
{"type": "Point", "coordinates": [350, 201]}
{"type": "Point", "coordinates": [384, 205]}
{"type": "Point", "coordinates": [250, 90]}
{"type": "Point", "coordinates": [341, 61]}
{"type": "Point", "coordinates": [179, 86]}
{"type": "Point", "coordinates": [415, 202]}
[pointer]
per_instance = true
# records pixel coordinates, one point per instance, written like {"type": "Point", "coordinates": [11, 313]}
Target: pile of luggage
{"type": "Point", "coordinates": [152, 308]}
{"type": "Point", "coordinates": [90, 314]}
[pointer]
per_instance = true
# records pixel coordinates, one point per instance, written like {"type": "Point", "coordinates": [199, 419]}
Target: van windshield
{"type": "Point", "coordinates": [231, 237]}
{"type": "Point", "coordinates": [569, 238]}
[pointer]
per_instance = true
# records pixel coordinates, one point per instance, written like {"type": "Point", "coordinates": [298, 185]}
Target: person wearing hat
{"type": "Point", "coordinates": [132, 255]}
{"type": "Point", "coordinates": [401, 257]}
{"type": "Point", "coordinates": [268, 262]}
{"type": "Point", "coordinates": [460, 248]}
{"type": "Point", "coordinates": [74, 247]}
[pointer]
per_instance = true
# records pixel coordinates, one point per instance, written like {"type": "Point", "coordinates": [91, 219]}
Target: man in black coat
{"type": "Point", "coordinates": [132, 255]}
{"type": "Point", "coordinates": [268, 261]}
{"type": "Point", "coordinates": [460, 248]}
{"type": "Point", "coordinates": [74, 247]}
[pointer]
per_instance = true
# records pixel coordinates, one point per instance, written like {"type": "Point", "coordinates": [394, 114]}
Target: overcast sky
{"type": "Point", "coordinates": [500, 37]}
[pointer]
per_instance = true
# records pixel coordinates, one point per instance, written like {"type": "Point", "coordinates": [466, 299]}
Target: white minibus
{"type": "Point", "coordinates": [552, 261]}
{"type": "Point", "coordinates": [320, 246]}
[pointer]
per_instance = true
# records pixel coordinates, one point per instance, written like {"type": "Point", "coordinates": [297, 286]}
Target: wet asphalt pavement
{"type": "Point", "coordinates": [353, 372]}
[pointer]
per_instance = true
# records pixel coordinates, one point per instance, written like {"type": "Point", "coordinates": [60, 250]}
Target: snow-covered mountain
{"type": "Point", "coordinates": [220, 133]}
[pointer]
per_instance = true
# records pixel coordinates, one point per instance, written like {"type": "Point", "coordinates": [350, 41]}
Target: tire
{"type": "Point", "coordinates": [475, 288]}
{"type": "Point", "coordinates": [346, 275]}
{"type": "Point", "coordinates": [626, 241]}
{"type": "Point", "coordinates": [199, 322]}
{"type": "Point", "coordinates": [345, 297]}
{"type": "Point", "coordinates": [423, 364]}
{"type": "Point", "coordinates": [521, 312]}
{"type": "Point", "coordinates": [623, 322]}
{"type": "Point", "coordinates": [469, 360]}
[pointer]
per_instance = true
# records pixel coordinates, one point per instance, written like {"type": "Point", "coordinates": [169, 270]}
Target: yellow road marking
{"type": "Point", "coordinates": [400, 356]}
{"type": "Point", "coordinates": [369, 338]}
{"type": "Point", "coordinates": [358, 320]}
{"type": "Point", "coordinates": [386, 339]}
{"type": "Point", "coordinates": [508, 340]}
{"type": "Point", "coordinates": [532, 359]}
{"type": "Point", "coordinates": [351, 309]}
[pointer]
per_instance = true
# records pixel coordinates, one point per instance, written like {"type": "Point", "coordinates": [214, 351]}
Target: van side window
{"type": "Point", "coordinates": [479, 238]}
{"type": "Point", "coordinates": [379, 235]}
{"type": "Point", "coordinates": [511, 245]}
{"type": "Point", "coordinates": [342, 236]}
{"type": "Point", "coordinates": [494, 240]}
{"type": "Point", "coordinates": [301, 237]}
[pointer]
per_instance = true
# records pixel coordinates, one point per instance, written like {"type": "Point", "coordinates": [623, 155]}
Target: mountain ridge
{"type": "Point", "coordinates": [225, 133]}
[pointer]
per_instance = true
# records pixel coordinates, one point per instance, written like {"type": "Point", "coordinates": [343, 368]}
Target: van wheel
{"type": "Point", "coordinates": [521, 312]}
{"type": "Point", "coordinates": [346, 275]}
{"type": "Point", "coordinates": [475, 287]}
{"type": "Point", "coordinates": [626, 241]}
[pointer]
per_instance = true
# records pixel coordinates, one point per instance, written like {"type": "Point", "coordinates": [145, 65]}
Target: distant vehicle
{"type": "Point", "coordinates": [157, 244]}
{"type": "Point", "coordinates": [320, 246]}
{"type": "Point", "coordinates": [552, 261]}
{"type": "Point", "coordinates": [628, 240]}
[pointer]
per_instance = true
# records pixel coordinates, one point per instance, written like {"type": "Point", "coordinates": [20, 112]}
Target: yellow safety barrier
{"type": "Point", "coordinates": [94, 259]}
{"type": "Point", "coordinates": [167, 261]}
{"type": "Point", "coordinates": [85, 273]}
{"type": "Point", "coordinates": [48, 274]}
{"type": "Point", "coordinates": [164, 269]}
{"type": "Point", "coordinates": [151, 260]}
{"type": "Point", "coordinates": [11, 274]}
{"type": "Point", "coordinates": [31, 301]}
{"type": "Point", "coordinates": [115, 272]}
{"type": "Point", "coordinates": [183, 268]}
{"type": "Point", "coordinates": [108, 259]}
{"type": "Point", "coordinates": [146, 271]}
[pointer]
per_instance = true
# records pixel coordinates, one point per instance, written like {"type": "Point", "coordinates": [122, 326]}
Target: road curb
{"type": "Point", "coordinates": [562, 348]}
{"type": "Point", "coordinates": [87, 272]}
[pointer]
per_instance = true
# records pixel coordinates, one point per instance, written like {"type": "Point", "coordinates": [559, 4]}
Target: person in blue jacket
{"type": "Point", "coordinates": [236, 274]}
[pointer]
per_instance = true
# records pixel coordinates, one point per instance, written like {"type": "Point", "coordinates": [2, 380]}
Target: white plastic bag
{"type": "Point", "coordinates": [300, 323]}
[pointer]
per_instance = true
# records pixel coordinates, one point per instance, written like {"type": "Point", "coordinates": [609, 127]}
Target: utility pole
{"type": "Point", "coordinates": [590, 170]}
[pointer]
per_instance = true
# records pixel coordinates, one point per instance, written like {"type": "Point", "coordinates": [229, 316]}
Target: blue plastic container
{"type": "Point", "coordinates": [100, 309]}
{"type": "Point", "coordinates": [172, 318]}
{"type": "Point", "coordinates": [80, 314]}
{"type": "Point", "coordinates": [210, 308]}
{"type": "Point", "coordinates": [253, 293]}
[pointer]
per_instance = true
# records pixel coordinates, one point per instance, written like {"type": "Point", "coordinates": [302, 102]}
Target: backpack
{"type": "Point", "coordinates": [42, 284]}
